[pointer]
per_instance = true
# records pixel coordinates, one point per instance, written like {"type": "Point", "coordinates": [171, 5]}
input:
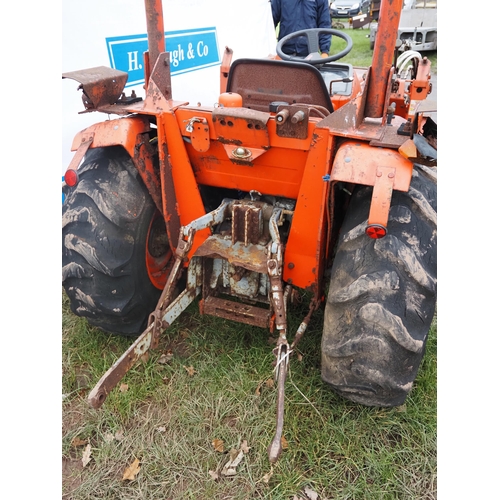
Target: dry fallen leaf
{"type": "Point", "coordinates": [228, 471]}
{"type": "Point", "coordinates": [213, 475]}
{"type": "Point", "coordinates": [218, 445]}
{"type": "Point", "coordinates": [145, 357]}
{"type": "Point", "coordinates": [86, 455]}
{"type": "Point", "coordinates": [191, 371]}
{"type": "Point", "coordinates": [132, 470]}
{"type": "Point", "coordinates": [284, 443]}
{"type": "Point", "coordinates": [83, 377]}
{"type": "Point", "coordinates": [108, 437]}
{"type": "Point", "coordinates": [76, 441]}
{"type": "Point", "coordinates": [244, 447]}
{"type": "Point", "coordinates": [119, 435]}
{"type": "Point", "coordinates": [310, 493]}
{"type": "Point", "coordinates": [235, 458]}
{"type": "Point", "coordinates": [267, 476]}
{"type": "Point", "coordinates": [299, 356]}
{"type": "Point", "coordinates": [165, 358]}
{"type": "Point", "coordinates": [123, 388]}
{"type": "Point", "coordinates": [269, 383]}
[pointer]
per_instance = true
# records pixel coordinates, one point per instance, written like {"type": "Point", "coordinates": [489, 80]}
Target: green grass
{"type": "Point", "coordinates": [168, 419]}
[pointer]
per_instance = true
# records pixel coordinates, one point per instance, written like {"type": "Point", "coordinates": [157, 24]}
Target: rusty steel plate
{"type": "Point", "coordinates": [101, 85]}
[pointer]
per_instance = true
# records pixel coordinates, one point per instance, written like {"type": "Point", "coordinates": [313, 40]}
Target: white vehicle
{"type": "Point", "coordinates": [417, 26]}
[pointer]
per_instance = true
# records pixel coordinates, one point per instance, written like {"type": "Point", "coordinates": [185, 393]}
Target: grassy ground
{"type": "Point", "coordinates": [361, 54]}
{"type": "Point", "coordinates": [214, 383]}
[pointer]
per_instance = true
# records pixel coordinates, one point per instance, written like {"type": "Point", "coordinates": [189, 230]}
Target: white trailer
{"type": "Point", "coordinates": [417, 26]}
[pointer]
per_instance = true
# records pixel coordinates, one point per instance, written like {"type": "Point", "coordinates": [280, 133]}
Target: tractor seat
{"type": "Point", "coordinates": [263, 81]}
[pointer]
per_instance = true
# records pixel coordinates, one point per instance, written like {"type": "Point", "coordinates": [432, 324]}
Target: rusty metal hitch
{"type": "Point", "coordinates": [282, 351]}
{"type": "Point", "coordinates": [167, 310]}
{"type": "Point", "coordinates": [156, 317]}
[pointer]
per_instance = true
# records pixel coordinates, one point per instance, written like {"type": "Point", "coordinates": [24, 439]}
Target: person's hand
{"type": "Point", "coordinates": [324, 54]}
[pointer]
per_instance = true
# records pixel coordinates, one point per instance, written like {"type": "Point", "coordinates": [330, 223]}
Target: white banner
{"type": "Point", "coordinates": [93, 31]}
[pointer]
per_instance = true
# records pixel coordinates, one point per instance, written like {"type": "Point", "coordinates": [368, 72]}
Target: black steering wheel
{"type": "Point", "coordinates": [312, 36]}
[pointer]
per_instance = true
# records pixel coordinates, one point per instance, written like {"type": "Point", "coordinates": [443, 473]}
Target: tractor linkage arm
{"type": "Point", "coordinates": [169, 308]}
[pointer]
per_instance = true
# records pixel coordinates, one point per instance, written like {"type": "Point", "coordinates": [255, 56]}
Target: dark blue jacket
{"type": "Point", "coordinates": [297, 15]}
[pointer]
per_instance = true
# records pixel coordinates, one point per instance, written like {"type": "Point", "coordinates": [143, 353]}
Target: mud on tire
{"type": "Point", "coordinates": [105, 226]}
{"type": "Point", "coordinates": [382, 297]}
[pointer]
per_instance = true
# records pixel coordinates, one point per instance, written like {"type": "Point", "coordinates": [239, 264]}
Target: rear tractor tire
{"type": "Point", "coordinates": [115, 251]}
{"type": "Point", "coordinates": [382, 297]}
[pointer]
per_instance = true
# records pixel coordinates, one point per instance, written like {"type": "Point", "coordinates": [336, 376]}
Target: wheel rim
{"type": "Point", "coordinates": [158, 252]}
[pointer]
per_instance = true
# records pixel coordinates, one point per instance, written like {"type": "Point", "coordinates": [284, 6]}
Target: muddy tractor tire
{"type": "Point", "coordinates": [115, 252]}
{"type": "Point", "coordinates": [382, 297]}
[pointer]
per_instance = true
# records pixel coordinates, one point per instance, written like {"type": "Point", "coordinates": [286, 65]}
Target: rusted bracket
{"type": "Point", "coordinates": [275, 272]}
{"type": "Point", "coordinates": [224, 68]}
{"type": "Point", "coordinates": [80, 152]}
{"type": "Point", "coordinates": [381, 197]}
{"type": "Point", "coordinates": [200, 134]}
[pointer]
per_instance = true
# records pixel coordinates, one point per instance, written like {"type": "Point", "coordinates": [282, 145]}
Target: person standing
{"type": "Point", "coordinates": [297, 15]}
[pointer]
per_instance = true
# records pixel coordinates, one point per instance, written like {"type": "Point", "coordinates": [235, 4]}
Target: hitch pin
{"type": "Point", "coordinates": [189, 126]}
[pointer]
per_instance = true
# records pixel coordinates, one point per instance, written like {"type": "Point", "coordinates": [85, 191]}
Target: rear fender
{"type": "Point", "coordinates": [133, 134]}
{"type": "Point", "coordinates": [384, 169]}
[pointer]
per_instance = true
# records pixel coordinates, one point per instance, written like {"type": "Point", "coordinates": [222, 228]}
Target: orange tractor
{"type": "Point", "coordinates": [305, 168]}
